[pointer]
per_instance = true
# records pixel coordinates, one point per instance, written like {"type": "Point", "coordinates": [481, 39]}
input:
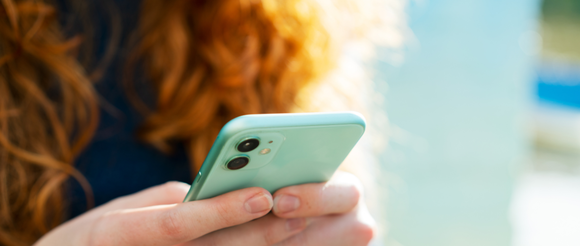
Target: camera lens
{"type": "Point", "coordinates": [238, 162]}
{"type": "Point", "coordinates": [248, 145]}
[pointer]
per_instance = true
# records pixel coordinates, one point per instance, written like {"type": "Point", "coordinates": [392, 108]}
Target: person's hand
{"type": "Point", "coordinates": [329, 213]}
{"type": "Point", "coordinates": [324, 214]}
{"type": "Point", "coordinates": [156, 216]}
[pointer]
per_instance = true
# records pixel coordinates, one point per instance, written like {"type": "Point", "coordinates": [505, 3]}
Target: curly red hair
{"type": "Point", "coordinates": [212, 61]}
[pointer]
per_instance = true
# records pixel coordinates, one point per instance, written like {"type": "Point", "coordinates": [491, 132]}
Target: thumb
{"type": "Point", "coordinates": [177, 223]}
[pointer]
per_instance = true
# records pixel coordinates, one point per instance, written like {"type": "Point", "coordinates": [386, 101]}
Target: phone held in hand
{"type": "Point", "coordinates": [273, 151]}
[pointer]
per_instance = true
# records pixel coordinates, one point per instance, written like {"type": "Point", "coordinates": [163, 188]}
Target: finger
{"type": "Point", "coordinates": [352, 229]}
{"type": "Point", "coordinates": [264, 231]}
{"type": "Point", "coordinates": [173, 224]}
{"type": "Point", "coordinates": [339, 195]}
{"type": "Point", "coordinates": [168, 193]}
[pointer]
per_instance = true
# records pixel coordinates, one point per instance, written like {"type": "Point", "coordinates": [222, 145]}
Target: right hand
{"type": "Point", "coordinates": [156, 216]}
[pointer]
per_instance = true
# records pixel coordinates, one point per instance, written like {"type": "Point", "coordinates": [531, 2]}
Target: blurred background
{"type": "Point", "coordinates": [484, 125]}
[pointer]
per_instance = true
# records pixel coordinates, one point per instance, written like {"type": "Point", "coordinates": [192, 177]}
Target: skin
{"type": "Point", "coordinates": [330, 213]}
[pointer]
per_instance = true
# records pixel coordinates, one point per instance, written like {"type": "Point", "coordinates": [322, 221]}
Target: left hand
{"type": "Point", "coordinates": [331, 213]}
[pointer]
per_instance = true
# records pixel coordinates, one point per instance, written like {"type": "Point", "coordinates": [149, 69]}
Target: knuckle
{"type": "Point", "coordinates": [119, 201]}
{"type": "Point", "coordinates": [363, 232]}
{"type": "Point", "coordinates": [350, 179]}
{"type": "Point", "coordinates": [173, 185]}
{"type": "Point", "coordinates": [345, 190]}
{"type": "Point", "coordinates": [100, 224]}
{"type": "Point", "coordinates": [94, 240]}
{"type": "Point", "coordinates": [223, 212]}
{"type": "Point", "coordinates": [269, 238]}
{"type": "Point", "coordinates": [174, 189]}
{"type": "Point", "coordinates": [356, 184]}
{"type": "Point", "coordinates": [296, 240]}
{"type": "Point", "coordinates": [171, 225]}
{"type": "Point", "coordinates": [300, 239]}
{"type": "Point", "coordinates": [267, 232]}
{"type": "Point", "coordinates": [355, 194]}
{"type": "Point", "coordinates": [98, 241]}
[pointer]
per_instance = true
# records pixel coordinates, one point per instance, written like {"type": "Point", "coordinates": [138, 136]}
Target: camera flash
{"type": "Point", "coordinates": [264, 151]}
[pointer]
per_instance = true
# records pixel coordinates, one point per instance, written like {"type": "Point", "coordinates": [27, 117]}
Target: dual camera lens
{"type": "Point", "coordinates": [246, 145]}
{"type": "Point", "coordinates": [238, 163]}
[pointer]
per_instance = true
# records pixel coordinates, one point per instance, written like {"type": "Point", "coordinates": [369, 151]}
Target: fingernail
{"type": "Point", "coordinates": [286, 203]}
{"type": "Point", "coordinates": [296, 224]}
{"type": "Point", "coordinates": [259, 203]}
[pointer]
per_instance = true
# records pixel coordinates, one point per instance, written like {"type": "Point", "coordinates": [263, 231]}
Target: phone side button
{"type": "Point", "coordinates": [198, 177]}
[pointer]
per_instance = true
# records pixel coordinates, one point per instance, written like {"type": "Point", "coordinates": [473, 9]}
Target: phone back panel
{"type": "Point", "coordinates": [304, 148]}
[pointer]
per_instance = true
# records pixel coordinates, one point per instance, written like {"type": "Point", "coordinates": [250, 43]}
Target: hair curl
{"type": "Point", "coordinates": [211, 61]}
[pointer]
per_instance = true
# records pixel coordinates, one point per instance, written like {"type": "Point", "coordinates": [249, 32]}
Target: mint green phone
{"type": "Point", "coordinates": [273, 151]}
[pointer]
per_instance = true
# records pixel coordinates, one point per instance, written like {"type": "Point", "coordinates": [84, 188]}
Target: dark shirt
{"type": "Point", "coordinates": [116, 163]}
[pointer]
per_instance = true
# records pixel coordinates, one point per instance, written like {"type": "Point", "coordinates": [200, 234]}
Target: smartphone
{"type": "Point", "coordinates": [273, 151]}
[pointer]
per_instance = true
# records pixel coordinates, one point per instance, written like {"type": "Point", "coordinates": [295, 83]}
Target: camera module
{"type": "Point", "coordinates": [248, 145]}
{"type": "Point", "coordinates": [238, 163]}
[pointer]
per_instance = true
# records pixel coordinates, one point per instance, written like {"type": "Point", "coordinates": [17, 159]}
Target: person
{"type": "Point", "coordinates": [112, 99]}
